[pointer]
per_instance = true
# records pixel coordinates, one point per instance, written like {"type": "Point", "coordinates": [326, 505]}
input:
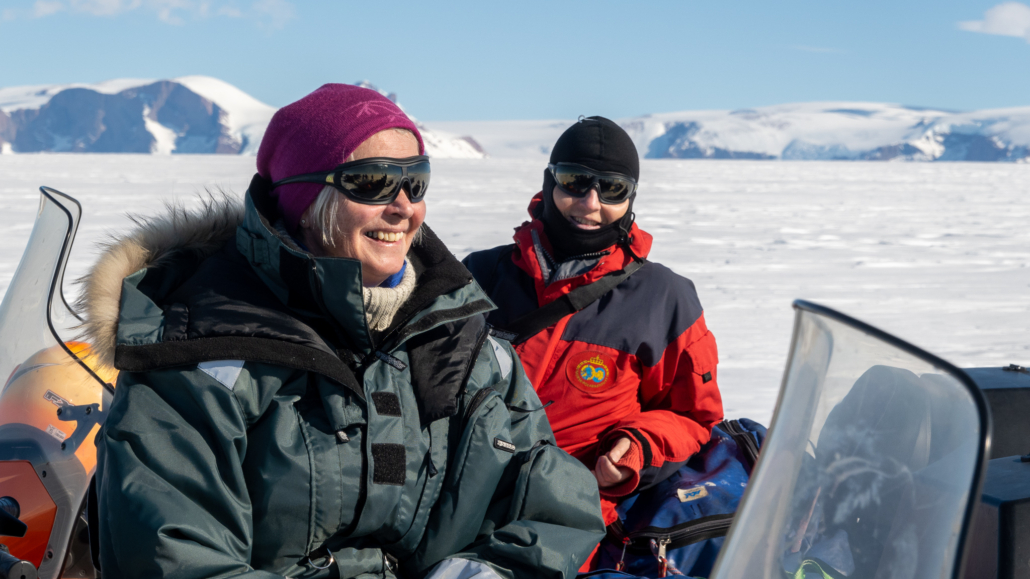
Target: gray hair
{"type": "Point", "coordinates": [327, 204]}
{"type": "Point", "coordinates": [324, 210]}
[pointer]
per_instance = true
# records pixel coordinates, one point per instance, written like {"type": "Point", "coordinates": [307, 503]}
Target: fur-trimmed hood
{"type": "Point", "coordinates": [221, 283]}
{"type": "Point", "coordinates": [201, 230]}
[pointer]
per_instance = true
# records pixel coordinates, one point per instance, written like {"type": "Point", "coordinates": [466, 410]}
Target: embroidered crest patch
{"type": "Point", "coordinates": [591, 371]}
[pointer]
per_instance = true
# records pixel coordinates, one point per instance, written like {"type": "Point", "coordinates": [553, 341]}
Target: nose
{"type": "Point", "coordinates": [591, 201]}
{"type": "Point", "coordinates": [402, 207]}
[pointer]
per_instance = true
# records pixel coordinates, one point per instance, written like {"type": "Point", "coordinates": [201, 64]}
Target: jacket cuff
{"type": "Point", "coordinates": [633, 460]}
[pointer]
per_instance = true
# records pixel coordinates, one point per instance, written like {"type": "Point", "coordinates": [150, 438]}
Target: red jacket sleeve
{"type": "Point", "coordinates": [680, 403]}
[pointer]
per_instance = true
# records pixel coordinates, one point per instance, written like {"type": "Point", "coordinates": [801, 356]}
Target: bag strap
{"type": "Point", "coordinates": [530, 324]}
{"type": "Point", "coordinates": [813, 565]}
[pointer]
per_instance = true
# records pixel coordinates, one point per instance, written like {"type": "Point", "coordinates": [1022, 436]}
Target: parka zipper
{"type": "Point", "coordinates": [316, 284]}
{"type": "Point", "coordinates": [471, 363]}
{"type": "Point", "coordinates": [672, 537]}
{"type": "Point", "coordinates": [744, 439]}
{"type": "Point", "coordinates": [477, 400]}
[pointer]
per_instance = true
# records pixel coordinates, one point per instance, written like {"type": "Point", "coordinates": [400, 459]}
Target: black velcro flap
{"type": "Point", "coordinates": [504, 445]}
{"type": "Point", "coordinates": [387, 403]}
{"type": "Point", "coordinates": [706, 377]}
{"type": "Point", "coordinates": [388, 464]}
{"type": "Point", "coordinates": [392, 361]}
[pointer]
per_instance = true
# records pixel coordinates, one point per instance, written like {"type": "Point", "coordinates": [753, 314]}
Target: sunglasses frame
{"type": "Point", "coordinates": [335, 178]}
{"type": "Point", "coordinates": [597, 175]}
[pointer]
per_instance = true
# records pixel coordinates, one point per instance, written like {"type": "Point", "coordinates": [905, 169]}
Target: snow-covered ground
{"type": "Point", "coordinates": [938, 254]}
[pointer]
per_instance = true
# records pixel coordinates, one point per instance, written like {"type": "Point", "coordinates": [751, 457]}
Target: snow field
{"type": "Point", "coordinates": [937, 254]}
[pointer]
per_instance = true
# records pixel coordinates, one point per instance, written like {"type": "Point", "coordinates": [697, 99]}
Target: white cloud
{"type": "Point", "coordinates": [1007, 19]}
{"type": "Point", "coordinates": [170, 11]}
{"type": "Point", "coordinates": [271, 13]}
{"type": "Point", "coordinates": [103, 7]}
{"type": "Point", "coordinates": [46, 8]}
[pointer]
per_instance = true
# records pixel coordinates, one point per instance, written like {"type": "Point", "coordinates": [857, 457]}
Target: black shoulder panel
{"type": "Point", "coordinates": [510, 288]}
{"type": "Point", "coordinates": [225, 312]}
{"type": "Point", "coordinates": [225, 297]}
{"type": "Point", "coordinates": [441, 363]}
{"type": "Point", "coordinates": [641, 316]}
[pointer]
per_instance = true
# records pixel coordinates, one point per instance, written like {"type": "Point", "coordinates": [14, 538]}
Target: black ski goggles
{"type": "Point", "coordinates": [373, 181]}
{"type": "Point", "coordinates": [577, 181]}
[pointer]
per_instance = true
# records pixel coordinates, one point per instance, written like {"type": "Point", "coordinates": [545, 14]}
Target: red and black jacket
{"type": "Point", "coordinates": [639, 362]}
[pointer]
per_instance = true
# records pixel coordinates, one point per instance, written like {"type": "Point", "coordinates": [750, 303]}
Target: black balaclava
{"type": "Point", "coordinates": [601, 145]}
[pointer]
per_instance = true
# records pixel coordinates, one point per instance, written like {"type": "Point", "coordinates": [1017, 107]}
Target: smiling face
{"type": "Point", "coordinates": [378, 236]}
{"type": "Point", "coordinates": [587, 213]}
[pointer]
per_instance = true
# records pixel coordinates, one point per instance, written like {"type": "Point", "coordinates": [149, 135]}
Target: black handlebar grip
{"type": "Point", "coordinates": [11, 526]}
{"type": "Point", "coordinates": [12, 567]}
{"type": "Point", "coordinates": [10, 506]}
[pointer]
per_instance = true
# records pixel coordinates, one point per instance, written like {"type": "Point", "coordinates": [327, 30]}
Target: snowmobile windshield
{"type": "Point", "coordinates": [872, 465]}
{"type": "Point", "coordinates": [52, 402]}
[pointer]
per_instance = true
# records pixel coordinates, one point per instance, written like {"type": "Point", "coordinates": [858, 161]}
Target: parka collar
{"type": "Point", "coordinates": [527, 259]}
{"type": "Point", "coordinates": [313, 286]}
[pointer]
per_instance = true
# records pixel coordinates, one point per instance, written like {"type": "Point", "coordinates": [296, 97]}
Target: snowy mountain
{"type": "Point", "coordinates": [198, 114]}
{"type": "Point", "coordinates": [804, 131]}
{"type": "Point", "coordinates": [192, 114]}
{"type": "Point", "coordinates": [836, 131]}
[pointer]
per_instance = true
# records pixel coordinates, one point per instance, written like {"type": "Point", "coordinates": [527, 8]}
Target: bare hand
{"type": "Point", "coordinates": [606, 471]}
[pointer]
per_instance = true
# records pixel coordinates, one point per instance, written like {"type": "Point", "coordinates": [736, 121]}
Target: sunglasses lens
{"type": "Point", "coordinates": [418, 177]}
{"type": "Point", "coordinates": [375, 183]}
{"type": "Point", "coordinates": [576, 183]}
{"type": "Point", "coordinates": [613, 189]}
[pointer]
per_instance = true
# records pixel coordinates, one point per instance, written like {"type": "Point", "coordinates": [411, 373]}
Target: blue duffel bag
{"type": "Point", "coordinates": [677, 526]}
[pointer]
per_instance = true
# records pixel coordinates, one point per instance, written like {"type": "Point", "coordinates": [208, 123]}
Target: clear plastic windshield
{"type": "Point", "coordinates": [871, 466]}
{"type": "Point", "coordinates": [34, 313]}
{"type": "Point", "coordinates": [52, 402]}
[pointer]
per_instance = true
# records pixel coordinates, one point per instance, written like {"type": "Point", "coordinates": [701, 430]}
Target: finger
{"type": "Point", "coordinates": [620, 448]}
{"type": "Point", "coordinates": [606, 473]}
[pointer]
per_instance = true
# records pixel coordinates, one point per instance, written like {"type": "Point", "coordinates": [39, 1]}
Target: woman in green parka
{"type": "Point", "coordinates": [308, 385]}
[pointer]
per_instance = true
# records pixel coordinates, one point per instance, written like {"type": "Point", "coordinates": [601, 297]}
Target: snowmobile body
{"type": "Point", "coordinates": [873, 467]}
{"type": "Point", "coordinates": [51, 408]}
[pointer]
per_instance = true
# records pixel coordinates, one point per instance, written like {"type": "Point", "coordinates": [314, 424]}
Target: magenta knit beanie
{"type": "Point", "coordinates": [317, 133]}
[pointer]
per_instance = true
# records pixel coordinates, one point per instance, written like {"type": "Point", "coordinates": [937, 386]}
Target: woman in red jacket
{"type": "Point", "coordinates": [629, 377]}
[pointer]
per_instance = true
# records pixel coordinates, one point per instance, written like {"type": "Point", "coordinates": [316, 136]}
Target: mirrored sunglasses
{"type": "Point", "coordinates": [373, 181]}
{"type": "Point", "coordinates": [577, 181]}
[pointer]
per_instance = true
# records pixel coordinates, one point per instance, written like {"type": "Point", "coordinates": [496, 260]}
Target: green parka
{"type": "Point", "coordinates": [259, 430]}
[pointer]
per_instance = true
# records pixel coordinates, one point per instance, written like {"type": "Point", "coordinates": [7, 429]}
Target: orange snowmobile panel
{"type": "Point", "coordinates": [49, 380]}
{"type": "Point", "coordinates": [19, 480]}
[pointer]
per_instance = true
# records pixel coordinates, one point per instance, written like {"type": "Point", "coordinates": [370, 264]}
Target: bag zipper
{"type": "Point", "coordinates": [744, 439]}
{"type": "Point", "coordinates": [673, 537]}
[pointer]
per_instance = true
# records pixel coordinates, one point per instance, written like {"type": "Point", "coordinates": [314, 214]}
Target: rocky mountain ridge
{"type": "Point", "coordinates": [853, 131]}
{"type": "Point", "coordinates": [193, 115]}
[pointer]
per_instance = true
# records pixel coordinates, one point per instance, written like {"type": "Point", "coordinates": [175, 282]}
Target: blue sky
{"type": "Point", "coordinates": [485, 60]}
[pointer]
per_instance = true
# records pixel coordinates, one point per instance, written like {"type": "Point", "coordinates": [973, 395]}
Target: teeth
{"type": "Point", "coordinates": [385, 235]}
